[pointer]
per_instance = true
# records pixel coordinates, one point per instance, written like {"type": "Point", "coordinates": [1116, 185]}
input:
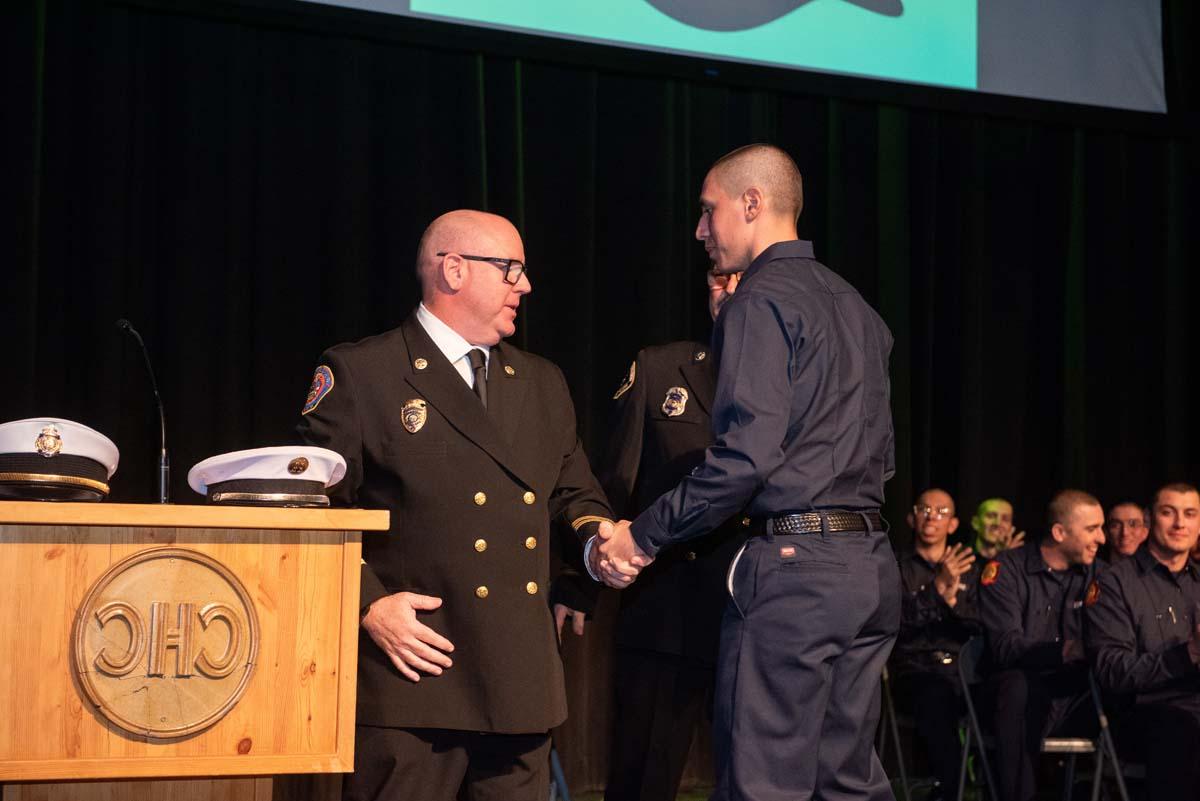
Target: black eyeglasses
{"type": "Point", "coordinates": [513, 268]}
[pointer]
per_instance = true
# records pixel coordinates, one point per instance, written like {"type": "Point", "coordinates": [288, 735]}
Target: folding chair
{"type": "Point", "coordinates": [890, 725]}
{"type": "Point", "coordinates": [969, 657]}
{"type": "Point", "coordinates": [1106, 742]}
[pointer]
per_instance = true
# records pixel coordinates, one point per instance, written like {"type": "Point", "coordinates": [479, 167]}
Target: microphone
{"type": "Point", "coordinates": [164, 463]}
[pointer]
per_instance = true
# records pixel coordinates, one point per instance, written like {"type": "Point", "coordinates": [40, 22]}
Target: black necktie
{"type": "Point", "coordinates": [479, 368]}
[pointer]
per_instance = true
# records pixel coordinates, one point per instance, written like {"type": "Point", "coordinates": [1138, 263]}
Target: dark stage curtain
{"type": "Point", "coordinates": [247, 185]}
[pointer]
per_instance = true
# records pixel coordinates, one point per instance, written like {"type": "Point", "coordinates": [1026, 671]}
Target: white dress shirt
{"type": "Point", "coordinates": [452, 345]}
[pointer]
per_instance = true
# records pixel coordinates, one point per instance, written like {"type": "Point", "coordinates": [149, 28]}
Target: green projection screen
{"type": "Point", "coordinates": [1095, 52]}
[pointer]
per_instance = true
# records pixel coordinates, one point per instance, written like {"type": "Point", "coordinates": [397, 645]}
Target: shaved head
{"type": "Point", "coordinates": [462, 231]}
{"type": "Point", "coordinates": [769, 169]}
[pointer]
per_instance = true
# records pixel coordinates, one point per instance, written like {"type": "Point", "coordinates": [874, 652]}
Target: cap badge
{"type": "Point", "coordinates": [628, 382]}
{"type": "Point", "coordinates": [49, 442]}
{"type": "Point", "coordinates": [297, 465]}
{"type": "Point", "coordinates": [413, 415]}
{"type": "Point", "coordinates": [321, 384]}
{"type": "Point", "coordinates": [675, 402]}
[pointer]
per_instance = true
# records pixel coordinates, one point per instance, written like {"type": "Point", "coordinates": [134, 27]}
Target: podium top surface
{"type": "Point", "coordinates": [181, 516]}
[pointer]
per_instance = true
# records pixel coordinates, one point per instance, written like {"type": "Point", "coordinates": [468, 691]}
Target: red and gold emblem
{"type": "Point", "coordinates": [990, 573]}
{"type": "Point", "coordinates": [1093, 594]}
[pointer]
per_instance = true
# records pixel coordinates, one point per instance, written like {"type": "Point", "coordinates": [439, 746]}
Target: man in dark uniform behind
{"type": "Point", "coordinates": [1031, 602]}
{"type": "Point", "coordinates": [803, 446]}
{"type": "Point", "coordinates": [471, 445]}
{"type": "Point", "coordinates": [1143, 639]}
{"type": "Point", "coordinates": [667, 628]}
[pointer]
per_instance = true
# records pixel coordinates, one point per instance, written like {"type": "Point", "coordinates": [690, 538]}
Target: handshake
{"type": "Point", "coordinates": [614, 558]}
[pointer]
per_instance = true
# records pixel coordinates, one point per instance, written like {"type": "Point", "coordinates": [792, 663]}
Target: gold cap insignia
{"type": "Point", "coordinates": [413, 415]}
{"type": "Point", "coordinates": [420, 364]}
{"type": "Point", "coordinates": [297, 465]}
{"type": "Point", "coordinates": [675, 402]}
{"type": "Point", "coordinates": [49, 442]}
{"type": "Point", "coordinates": [628, 382]}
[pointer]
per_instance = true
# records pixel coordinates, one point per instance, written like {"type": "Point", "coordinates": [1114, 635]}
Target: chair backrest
{"type": "Point", "coordinates": [970, 656]}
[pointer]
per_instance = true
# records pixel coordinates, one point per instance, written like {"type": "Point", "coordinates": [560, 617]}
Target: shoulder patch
{"type": "Point", "coordinates": [628, 382]}
{"type": "Point", "coordinates": [321, 384]}
{"type": "Point", "coordinates": [991, 572]}
{"type": "Point", "coordinates": [1093, 593]}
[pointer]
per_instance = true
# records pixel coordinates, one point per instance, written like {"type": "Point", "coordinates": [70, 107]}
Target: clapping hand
{"type": "Point", "coordinates": [616, 558]}
{"type": "Point", "coordinates": [956, 561]}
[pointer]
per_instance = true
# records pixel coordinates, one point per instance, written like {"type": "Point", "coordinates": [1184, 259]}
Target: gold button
{"type": "Point", "coordinates": [745, 521]}
{"type": "Point", "coordinates": [481, 545]}
{"type": "Point", "coordinates": [420, 364]}
{"type": "Point", "coordinates": [509, 369]}
{"type": "Point", "coordinates": [529, 498]}
{"type": "Point", "coordinates": [690, 556]}
{"type": "Point", "coordinates": [480, 499]}
{"type": "Point", "coordinates": [531, 588]}
{"type": "Point", "coordinates": [531, 542]}
{"type": "Point", "coordinates": [481, 592]}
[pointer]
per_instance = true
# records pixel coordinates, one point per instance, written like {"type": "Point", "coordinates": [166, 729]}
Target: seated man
{"type": "Point", "coordinates": [993, 526]}
{"type": "Point", "coordinates": [1125, 530]}
{"type": "Point", "coordinates": [1030, 604]}
{"type": "Point", "coordinates": [938, 614]}
{"type": "Point", "coordinates": [1144, 644]}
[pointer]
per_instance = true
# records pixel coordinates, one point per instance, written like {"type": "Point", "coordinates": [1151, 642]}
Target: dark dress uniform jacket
{"type": "Point", "coordinates": [471, 495]}
{"type": "Point", "coordinates": [1139, 618]}
{"type": "Point", "coordinates": [675, 606]}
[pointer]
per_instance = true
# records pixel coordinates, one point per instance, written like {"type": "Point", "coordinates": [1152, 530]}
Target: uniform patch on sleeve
{"type": "Point", "coordinates": [628, 382]}
{"type": "Point", "coordinates": [1093, 593]}
{"type": "Point", "coordinates": [321, 384]}
{"type": "Point", "coordinates": [990, 573]}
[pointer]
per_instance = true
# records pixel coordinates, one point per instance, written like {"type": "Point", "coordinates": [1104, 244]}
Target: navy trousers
{"type": "Point", "coordinates": [810, 624]}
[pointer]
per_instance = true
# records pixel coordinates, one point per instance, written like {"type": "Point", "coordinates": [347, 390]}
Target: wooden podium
{"type": "Point", "coordinates": [141, 642]}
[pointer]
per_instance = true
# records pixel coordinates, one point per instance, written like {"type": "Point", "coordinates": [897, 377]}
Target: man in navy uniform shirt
{"type": "Point", "coordinates": [803, 445]}
{"type": "Point", "coordinates": [939, 612]}
{"type": "Point", "coordinates": [1143, 640]}
{"type": "Point", "coordinates": [1031, 604]}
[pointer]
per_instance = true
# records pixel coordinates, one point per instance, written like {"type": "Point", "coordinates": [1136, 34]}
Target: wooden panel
{"type": "Point", "coordinates": [209, 516]}
{"type": "Point", "coordinates": [146, 790]}
{"type": "Point", "coordinates": [297, 712]}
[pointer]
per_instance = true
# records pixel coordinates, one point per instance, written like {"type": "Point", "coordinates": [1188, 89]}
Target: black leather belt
{"type": "Point", "coordinates": [810, 522]}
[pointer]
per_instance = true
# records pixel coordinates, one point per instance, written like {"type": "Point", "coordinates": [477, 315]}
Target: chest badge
{"type": "Point", "coordinates": [413, 415]}
{"type": "Point", "coordinates": [990, 573]}
{"type": "Point", "coordinates": [675, 402]}
{"type": "Point", "coordinates": [1093, 594]}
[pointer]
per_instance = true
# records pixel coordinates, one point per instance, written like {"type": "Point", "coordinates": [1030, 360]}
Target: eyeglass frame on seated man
{"type": "Point", "coordinates": [935, 512]}
{"type": "Point", "coordinates": [498, 262]}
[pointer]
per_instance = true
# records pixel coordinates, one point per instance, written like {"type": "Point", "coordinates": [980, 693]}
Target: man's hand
{"type": "Point", "coordinates": [561, 613]}
{"type": "Point", "coordinates": [1012, 540]}
{"type": "Point", "coordinates": [616, 558]}
{"type": "Point", "coordinates": [410, 644]}
{"type": "Point", "coordinates": [956, 561]}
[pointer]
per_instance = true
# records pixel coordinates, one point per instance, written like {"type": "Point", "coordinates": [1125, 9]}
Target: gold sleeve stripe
{"type": "Point", "coordinates": [580, 522]}
{"type": "Point", "coordinates": [628, 382]}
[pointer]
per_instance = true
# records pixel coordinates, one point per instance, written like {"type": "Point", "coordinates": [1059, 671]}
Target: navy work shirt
{"type": "Point", "coordinates": [1139, 618]}
{"type": "Point", "coordinates": [801, 418]}
{"type": "Point", "coordinates": [1028, 609]}
{"type": "Point", "coordinates": [930, 629]}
